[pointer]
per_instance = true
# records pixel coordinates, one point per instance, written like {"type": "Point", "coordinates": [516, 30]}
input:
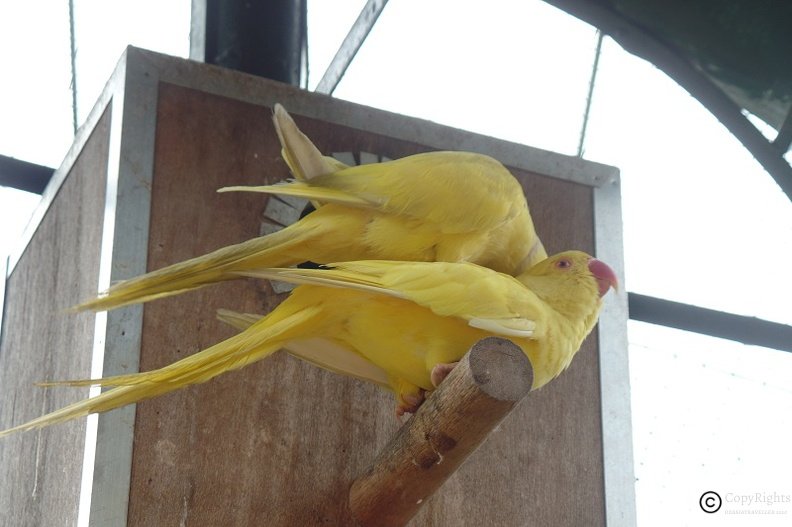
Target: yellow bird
{"type": "Point", "coordinates": [401, 325]}
{"type": "Point", "coordinates": [435, 206]}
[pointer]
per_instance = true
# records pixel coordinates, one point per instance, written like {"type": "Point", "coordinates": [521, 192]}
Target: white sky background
{"type": "Point", "coordinates": [704, 224]}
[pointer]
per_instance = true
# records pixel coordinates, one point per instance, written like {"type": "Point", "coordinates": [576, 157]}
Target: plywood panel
{"type": "Point", "coordinates": [40, 470]}
{"type": "Point", "coordinates": [279, 442]}
{"type": "Point", "coordinates": [225, 452]}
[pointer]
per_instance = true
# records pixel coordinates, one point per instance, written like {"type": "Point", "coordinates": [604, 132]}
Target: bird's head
{"type": "Point", "coordinates": [575, 266]}
{"type": "Point", "coordinates": [572, 282]}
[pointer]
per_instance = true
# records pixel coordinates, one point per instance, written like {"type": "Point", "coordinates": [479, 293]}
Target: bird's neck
{"type": "Point", "coordinates": [567, 297]}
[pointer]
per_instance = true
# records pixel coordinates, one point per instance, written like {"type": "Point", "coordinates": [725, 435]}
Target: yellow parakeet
{"type": "Point", "coordinates": [396, 324]}
{"type": "Point", "coordinates": [435, 206]}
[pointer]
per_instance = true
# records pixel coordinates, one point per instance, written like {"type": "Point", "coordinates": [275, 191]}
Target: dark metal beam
{"type": "Point", "coordinates": [22, 175]}
{"type": "Point", "coordinates": [643, 45]}
{"type": "Point", "coordinates": [262, 38]}
{"type": "Point", "coordinates": [350, 46]}
{"type": "Point", "coordinates": [748, 330]}
{"type": "Point", "coordinates": [784, 137]}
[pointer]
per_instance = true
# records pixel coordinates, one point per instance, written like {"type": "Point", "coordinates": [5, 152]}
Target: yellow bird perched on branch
{"type": "Point", "coordinates": [400, 325]}
{"type": "Point", "coordinates": [435, 206]}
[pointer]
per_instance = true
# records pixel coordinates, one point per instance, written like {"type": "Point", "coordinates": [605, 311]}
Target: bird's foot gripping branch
{"type": "Point", "coordinates": [455, 419]}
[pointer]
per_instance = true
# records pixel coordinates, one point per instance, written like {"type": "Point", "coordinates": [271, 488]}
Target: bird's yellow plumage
{"type": "Point", "coordinates": [391, 323]}
{"type": "Point", "coordinates": [435, 206]}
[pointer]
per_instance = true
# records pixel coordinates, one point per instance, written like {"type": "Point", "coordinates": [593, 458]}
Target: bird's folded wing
{"type": "Point", "coordinates": [461, 191]}
{"type": "Point", "coordinates": [484, 298]}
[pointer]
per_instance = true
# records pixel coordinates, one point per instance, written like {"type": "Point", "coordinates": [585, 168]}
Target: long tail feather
{"type": "Point", "coordinates": [236, 352]}
{"type": "Point", "coordinates": [241, 321]}
{"type": "Point", "coordinates": [272, 250]}
{"type": "Point", "coordinates": [304, 159]}
{"type": "Point", "coordinates": [306, 190]}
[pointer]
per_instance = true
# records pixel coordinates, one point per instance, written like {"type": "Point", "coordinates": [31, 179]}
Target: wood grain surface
{"type": "Point", "coordinates": [280, 442]}
{"type": "Point", "coordinates": [40, 470]}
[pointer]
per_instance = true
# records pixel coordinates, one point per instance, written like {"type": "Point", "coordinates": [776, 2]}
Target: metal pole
{"type": "Point", "coordinates": [262, 38]}
{"type": "Point", "coordinates": [748, 330]}
{"type": "Point", "coordinates": [73, 48]}
{"type": "Point", "coordinates": [350, 46]}
{"type": "Point", "coordinates": [590, 95]}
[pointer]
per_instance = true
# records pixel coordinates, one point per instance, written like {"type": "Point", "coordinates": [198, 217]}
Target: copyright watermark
{"type": "Point", "coordinates": [710, 502]}
{"type": "Point", "coordinates": [749, 503]}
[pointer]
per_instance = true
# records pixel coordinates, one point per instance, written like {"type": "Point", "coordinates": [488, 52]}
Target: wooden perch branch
{"type": "Point", "coordinates": [477, 395]}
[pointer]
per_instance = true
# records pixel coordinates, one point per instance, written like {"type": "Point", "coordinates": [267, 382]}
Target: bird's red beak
{"type": "Point", "coordinates": [605, 276]}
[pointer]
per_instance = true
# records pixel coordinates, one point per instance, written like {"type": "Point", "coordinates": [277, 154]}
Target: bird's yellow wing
{"type": "Point", "coordinates": [426, 186]}
{"type": "Point", "coordinates": [484, 298]}
{"type": "Point", "coordinates": [469, 202]}
{"type": "Point", "coordinates": [320, 352]}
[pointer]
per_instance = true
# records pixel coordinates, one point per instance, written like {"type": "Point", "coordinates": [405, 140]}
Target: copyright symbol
{"type": "Point", "coordinates": [710, 502]}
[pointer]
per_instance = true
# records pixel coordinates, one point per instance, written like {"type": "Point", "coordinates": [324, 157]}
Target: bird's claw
{"type": "Point", "coordinates": [410, 402]}
{"type": "Point", "coordinates": [441, 371]}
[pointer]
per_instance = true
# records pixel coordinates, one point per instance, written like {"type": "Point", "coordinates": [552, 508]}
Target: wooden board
{"type": "Point", "coordinates": [279, 442]}
{"type": "Point", "coordinates": [41, 470]}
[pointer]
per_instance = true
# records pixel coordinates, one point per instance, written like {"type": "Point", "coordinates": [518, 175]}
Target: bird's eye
{"type": "Point", "coordinates": [563, 264]}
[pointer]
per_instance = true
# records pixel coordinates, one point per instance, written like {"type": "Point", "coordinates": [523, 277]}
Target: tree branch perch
{"type": "Point", "coordinates": [477, 395]}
